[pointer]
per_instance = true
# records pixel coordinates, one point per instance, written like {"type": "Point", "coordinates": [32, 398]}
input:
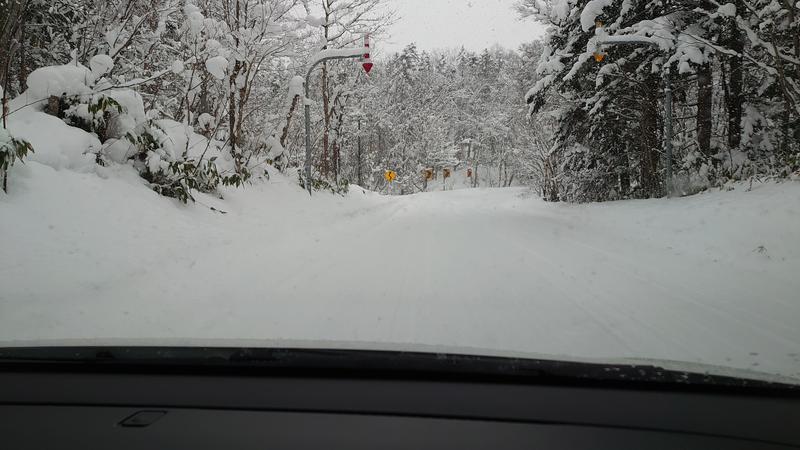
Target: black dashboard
{"type": "Point", "coordinates": [87, 406]}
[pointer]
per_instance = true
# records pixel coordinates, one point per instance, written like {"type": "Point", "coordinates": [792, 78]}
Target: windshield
{"type": "Point", "coordinates": [571, 180]}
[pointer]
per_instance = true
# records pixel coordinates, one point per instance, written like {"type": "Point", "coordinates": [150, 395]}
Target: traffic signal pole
{"type": "Point", "coordinates": [363, 53]}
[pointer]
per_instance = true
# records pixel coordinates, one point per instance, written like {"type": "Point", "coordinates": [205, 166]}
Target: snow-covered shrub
{"type": "Point", "coordinates": [156, 162]}
{"type": "Point", "coordinates": [171, 157]}
{"type": "Point", "coordinates": [179, 178]}
{"type": "Point", "coordinates": [206, 124]}
{"type": "Point", "coordinates": [93, 115]}
{"type": "Point", "coordinates": [269, 146]}
{"type": "Point", "coordinates": [323, 184]}
{"type": "Point", "coordinates": [11, 150]}
{"type": "Point", "coordinates": [83, 98]}
{"type": "Point", "coordinates": [64, 80]}
{"type": "Point", "coordinates": [173, 172]}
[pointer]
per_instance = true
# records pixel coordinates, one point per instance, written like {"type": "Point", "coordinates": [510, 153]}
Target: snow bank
{"type": "Point", "coordinates": [55, 143]}
{"type": "Point", "coordinates": [56, 80]}
{"type": "Point", "coordinates": [119, 150]}
{"type": "Point", "coordinates": [133, 113]}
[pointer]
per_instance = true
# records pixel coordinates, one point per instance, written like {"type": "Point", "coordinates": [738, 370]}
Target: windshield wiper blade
{"type": "Point", "coordinates": [368, 363]}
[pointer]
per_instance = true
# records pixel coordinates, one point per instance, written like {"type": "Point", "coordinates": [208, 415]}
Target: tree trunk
{"type": "Point", "coordinates": [338, 113]}
{"type": "Point", "coordinates": [232, 124]}
{"type": "Point", "coordinates": [788, 102]}
{"type": "Point", "coordinates": [24, 69]}
{"type": "Point", "coordinates": [285, 133]}
{"type": "Point", "coordinates": [335, 160]}
{"type": "Point", "coordinates": [240, 113]}
{"type": "Point", "coordinates": [326, 101]}
{"type": "Point", "coordinates": [649, 142]}
{"type": "Point", "coordinates": [12, 15]}
{"type": "Point", "coordinates": [704, 104]}
{"type": "Point", "coordinates": [625, 175]}
{"type": "Point", "coordinates": [358, 160]}
{"type": "Point", "coordinates": [233, 138]}
{"type": "Point", "coordinates": [472, 155]}
{"type": "Point", "coordinates": [326, 104]}
{"type": "Point", "coordinates": [4, 105]}
{"type": "Point", "coordinates": [794, 19]}
{"type": "Point", "coordinates": [500, 175]}
{"type": "Point", "coordinates": [734, 97]}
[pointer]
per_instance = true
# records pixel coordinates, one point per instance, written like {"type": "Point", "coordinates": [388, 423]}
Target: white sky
{"type": "Point", "coordinates": [474, 24]}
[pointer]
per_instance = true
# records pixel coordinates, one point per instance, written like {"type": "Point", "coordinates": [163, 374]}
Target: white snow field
{"type": "Point", "coordinates": [98, 257]}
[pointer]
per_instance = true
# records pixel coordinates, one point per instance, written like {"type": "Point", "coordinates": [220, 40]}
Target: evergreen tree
{"type": "Point", "coordinates": [732, 68]}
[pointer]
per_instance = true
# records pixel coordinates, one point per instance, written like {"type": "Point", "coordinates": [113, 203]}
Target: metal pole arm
{"type": "Point", "coordinates": [308, 111]}
{"type": "Point", "coordinates": [323, 60]}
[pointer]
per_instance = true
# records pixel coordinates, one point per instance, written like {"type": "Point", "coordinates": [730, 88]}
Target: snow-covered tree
{"type": "Point", "coordinates": [732, 67]}
{"type": "Point", "coordinates": [139, 68]}
{"type": "Point", "coordinates": [341, 24]}
{"type": "Point", "coordinates": [425, 112]}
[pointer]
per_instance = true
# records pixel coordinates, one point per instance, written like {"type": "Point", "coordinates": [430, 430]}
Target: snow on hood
{"type": "Point", "coordinates": [677, 366]}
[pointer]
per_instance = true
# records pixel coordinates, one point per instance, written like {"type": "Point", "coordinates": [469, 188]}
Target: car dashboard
{"type": "Point", "coordinates": [128, 406]}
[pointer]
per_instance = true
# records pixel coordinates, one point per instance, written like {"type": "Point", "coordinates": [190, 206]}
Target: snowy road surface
{"type": "Point", "coordinates": [714, 278]}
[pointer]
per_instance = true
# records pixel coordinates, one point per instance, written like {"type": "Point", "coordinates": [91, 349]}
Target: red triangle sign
{"type": "Point", "coordinates": [367, 67]}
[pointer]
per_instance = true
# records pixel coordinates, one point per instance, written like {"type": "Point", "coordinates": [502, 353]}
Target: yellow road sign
{"type": "Point", "coordinates": [390, 175]}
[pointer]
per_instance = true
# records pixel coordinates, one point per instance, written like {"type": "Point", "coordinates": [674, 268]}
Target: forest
{"type": "Point", "coordinates": [734, 69]}
{"type": "Point", "coordinates": [200, 93]}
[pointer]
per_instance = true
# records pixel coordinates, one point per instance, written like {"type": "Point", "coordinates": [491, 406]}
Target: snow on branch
{"type": "Point", "coordinates": [336, 53]}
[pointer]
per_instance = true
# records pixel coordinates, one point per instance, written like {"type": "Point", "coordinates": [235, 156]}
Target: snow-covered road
{"type": "Point", "coordinates": [711, 279]}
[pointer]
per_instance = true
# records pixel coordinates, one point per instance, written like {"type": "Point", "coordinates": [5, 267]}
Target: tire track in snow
{"type": "Point", "coordinates": [522, 245]}
{"type": "Point", "coordinates": [606, 301]}
{"type": "Point", "coordinates": [626, 268]}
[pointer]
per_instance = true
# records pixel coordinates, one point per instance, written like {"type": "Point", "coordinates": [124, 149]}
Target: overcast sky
{"type": "Point", "coordinates": [474, 24]}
